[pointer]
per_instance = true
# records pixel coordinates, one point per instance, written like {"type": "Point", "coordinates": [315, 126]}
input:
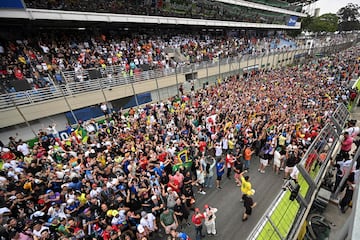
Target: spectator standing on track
{"type": "Point", "coordinates": [210, 219]}
{"type": "Point", "coordinates": [277, 160]}
{"type": "Point", "coordinates": [197, 220]}
{"type": "Point", "coordinates": [209, 170]}
{"type": "Point", "coordinates": [346, 144]}
{"type": "Point", "coordinates": [248, 152]}
{"type": "Point", "coordinates": [168, 220]}
{"type": "Point", "coordinates": [246, 187]}
{"type": "Point", "coordinates": [229, 159]}
{"type": "Point", "coordinates": [220, 170]}
{"type": "Point", "coordinates": [249, 204]}
{"type": "Point", "coordinates": [238, 169]}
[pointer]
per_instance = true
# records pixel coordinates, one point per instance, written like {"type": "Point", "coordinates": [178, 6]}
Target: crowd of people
{"type": "Point", "coordinates": [135, 175]}
{"type": "Point", "coordinates": [42, 59]}
{"type": "Point", "coordinates": [199, 9]}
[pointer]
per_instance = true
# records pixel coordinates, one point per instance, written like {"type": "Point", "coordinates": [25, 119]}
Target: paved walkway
{"type": "Point", "coordinates": [228, 219]}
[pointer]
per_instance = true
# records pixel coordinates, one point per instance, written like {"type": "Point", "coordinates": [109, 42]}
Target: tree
{"type": "Point", "coordinates": [349, 17]}
{"type": "Point", "coordinates": [325, 23]}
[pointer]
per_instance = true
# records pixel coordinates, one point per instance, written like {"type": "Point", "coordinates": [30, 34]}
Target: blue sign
{"type": "Point", "coordinates": [11, 4]}
{"type": "Point", "coordinates": [292, 21]}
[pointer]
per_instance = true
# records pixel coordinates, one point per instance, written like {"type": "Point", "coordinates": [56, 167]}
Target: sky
{"type": "Point", "coordinates": [331, 6]}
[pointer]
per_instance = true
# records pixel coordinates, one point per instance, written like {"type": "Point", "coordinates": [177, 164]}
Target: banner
{"type": "Point", "coordinates": [11, 4]}
{"type": "Point", "coordinates": [292, 21]}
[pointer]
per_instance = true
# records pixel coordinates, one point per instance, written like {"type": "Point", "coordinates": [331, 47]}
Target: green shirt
{"type": "Point", "coordinates": [167, 218]}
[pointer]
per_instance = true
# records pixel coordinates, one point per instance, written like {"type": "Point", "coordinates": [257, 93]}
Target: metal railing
{"type": "Point", "coordinates": [8, 100]}
{"type": "Point", "coordinates": [283, 223]}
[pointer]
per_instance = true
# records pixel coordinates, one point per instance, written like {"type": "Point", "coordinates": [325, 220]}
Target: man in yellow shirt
{"type": "Point", "coordinates": [246, 185]}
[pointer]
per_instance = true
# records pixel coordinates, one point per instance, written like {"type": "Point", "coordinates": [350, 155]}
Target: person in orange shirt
{"type": "Point", "coordinates": [247, 156]}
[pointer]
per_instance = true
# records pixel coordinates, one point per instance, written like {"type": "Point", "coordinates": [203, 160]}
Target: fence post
{"type": "Point", "coordinates": [177, 81]}
{"type": "Point", "coordinates": [136, 100]}
{"type": "Point", "coordinates": [157, 87]}
{"type": "Point", "coordinates": [68, 104]}
{"type": "Point", "coordinates": [20, 112]}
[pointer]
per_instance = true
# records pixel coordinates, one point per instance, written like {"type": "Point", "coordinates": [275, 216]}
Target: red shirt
{"type": "Point", "coordinates": [346, 144]}
{"type": "Point", "coordinates": [202, 146]}
{"type": "Point", "coordinates": [197, 219]}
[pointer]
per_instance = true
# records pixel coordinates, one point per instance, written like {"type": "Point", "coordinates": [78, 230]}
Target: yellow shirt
{"type": "Point", "coordinates": [245, 186]}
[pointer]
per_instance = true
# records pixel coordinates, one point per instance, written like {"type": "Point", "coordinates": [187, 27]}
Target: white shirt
{"type": "Point", "coordinates": [218, 150]}
{"type": "Point", "coordinates": [208, 213]}
{"type": "Point", "coordinates": [24, 148]}
{"type": "Point", "coordinates": [148, 221]}
{"type": "Point", "coordinates": [103, 107]}
{"type": "Point", "coordinates": [95, 192]}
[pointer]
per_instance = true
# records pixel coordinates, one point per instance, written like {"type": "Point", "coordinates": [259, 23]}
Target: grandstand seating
{"type": "Point", "coordinates": [201, 9]}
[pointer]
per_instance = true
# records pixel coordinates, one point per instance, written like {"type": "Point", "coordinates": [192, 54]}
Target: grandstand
{"type": "Point", "coordinates": [55, 43]}
{"type": "Point", "coordinates": [61, 59]}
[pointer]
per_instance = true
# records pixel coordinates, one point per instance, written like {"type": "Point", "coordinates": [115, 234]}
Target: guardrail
{"type": "Point", "coordinates": [72, 88]}
{"type": "Point", "coordinates": [284, 217]}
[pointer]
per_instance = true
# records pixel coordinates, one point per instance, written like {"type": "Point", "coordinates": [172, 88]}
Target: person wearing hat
{"type": "Point", "coordinates": [197, 220]}
{"type": "Point", "coordinates": [168, 220]}
{"type": "Point", "coordinates": [210, 217]}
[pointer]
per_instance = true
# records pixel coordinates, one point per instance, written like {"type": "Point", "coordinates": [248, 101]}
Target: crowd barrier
{"type": "Point", "coordinates": [284, 217]}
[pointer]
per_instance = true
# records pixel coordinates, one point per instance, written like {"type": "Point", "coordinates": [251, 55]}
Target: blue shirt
{"type": "Point", "coordinates": [219, 168]}
{"type": "Point", "coordinates": [183, 236]}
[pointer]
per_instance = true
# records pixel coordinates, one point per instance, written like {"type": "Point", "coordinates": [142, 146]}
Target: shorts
{"type": "Point", "coordinates": [170, 227]}
{"type": "Point", "coordinates": [264, 162]}
{"type": "Point", "coordinates": [248, 210]}
{"type": "Point", "coordinates": [277, 163]}
{"type": "Point", "coordinates": [288, 169]}
{"type": "Point", "coordinates": [218, 177]}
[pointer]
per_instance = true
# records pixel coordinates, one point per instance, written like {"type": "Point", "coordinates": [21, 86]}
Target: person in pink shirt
{"type": "Point", "coordinates": [346, 144]}
{"type": "Point", "coordinates": [179, 177]}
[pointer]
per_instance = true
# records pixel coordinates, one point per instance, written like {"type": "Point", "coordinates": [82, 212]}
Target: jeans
{"type": "Point", "coordinates": [246, 164]}
{"type": "Point", "coordinates": [209, 181]}
{"type": "Point", "coordinates": [198, 230]}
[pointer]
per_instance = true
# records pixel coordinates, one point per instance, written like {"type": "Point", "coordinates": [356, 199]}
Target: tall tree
{"type": "Point", "coordinates": [325, 23]}
{"type": "Point", "coordinates": [349, 17]}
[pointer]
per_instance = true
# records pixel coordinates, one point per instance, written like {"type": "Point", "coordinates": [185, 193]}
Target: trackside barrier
{"type": "Point", "coordinates": [284, 217]}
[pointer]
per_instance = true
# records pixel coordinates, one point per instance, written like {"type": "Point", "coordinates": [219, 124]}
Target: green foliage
{"type": "Point", "coordinates": [325, 23]}
{"type": "Point", "coordinates": [349, 17]}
